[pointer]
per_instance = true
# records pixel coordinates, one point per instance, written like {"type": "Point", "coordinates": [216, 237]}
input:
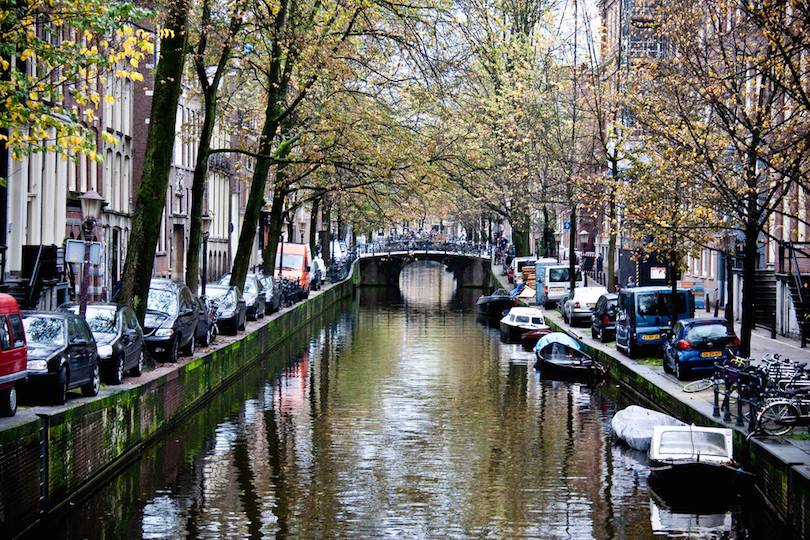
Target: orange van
{"type": "Point", "coordinates": [293, 262]}
{"type": "Point", "coordinates": [13, 354]}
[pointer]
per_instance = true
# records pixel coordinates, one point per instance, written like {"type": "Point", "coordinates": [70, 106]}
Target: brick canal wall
{"type": "Point", "coordinates": [46, 462]}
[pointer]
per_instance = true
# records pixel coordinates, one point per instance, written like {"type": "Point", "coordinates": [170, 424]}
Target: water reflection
{"type": "Point", "coordinates": [400, 417]}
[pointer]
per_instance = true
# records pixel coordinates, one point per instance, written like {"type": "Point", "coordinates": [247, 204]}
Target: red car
{"type": "Point", "coordinates": [13, 354]}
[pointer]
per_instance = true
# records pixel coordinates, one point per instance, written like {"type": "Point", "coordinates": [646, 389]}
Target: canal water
{"type": "Point", "coordinates": [400, 415]}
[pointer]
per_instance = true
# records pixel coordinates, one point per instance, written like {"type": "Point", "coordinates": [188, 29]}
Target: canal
{"type": "Point", "coordinates": [399, 415]}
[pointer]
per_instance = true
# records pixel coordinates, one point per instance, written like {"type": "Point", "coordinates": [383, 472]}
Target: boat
{"type": "Point", "coordinates": [559, 356]}
{"type": "Point", "coordinates": [682, 458]}
{"type": "Point", "coordinates": [529, 339]}
{"type": "Point", "coordinates": [493, 305]}
{"type": "Point", "coordinates": [519, 320]}
{"type": "Point", "coordinates": [634, 425]}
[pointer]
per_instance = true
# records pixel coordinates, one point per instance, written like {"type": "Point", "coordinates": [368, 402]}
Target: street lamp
{"type": "Point", "coordinates": [729, 240]}
{"type": "Point", "coordinates": [583, 239]}
{"type": "Point", "coordinates": [206, 227]}
{"type": "Point", "coordinates": [91, 203]}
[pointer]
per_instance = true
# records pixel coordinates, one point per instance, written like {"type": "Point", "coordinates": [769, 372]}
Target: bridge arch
{"type": "Point", "coordinates": [383, 269]}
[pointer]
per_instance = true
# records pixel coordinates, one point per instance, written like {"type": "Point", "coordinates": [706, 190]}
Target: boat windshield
{"type": "Point", "coordinates": [537, 320]}
{"type": "Point", "coordinates": [692, 443]}
{"type": "Point", "coordinates": [522, 319]}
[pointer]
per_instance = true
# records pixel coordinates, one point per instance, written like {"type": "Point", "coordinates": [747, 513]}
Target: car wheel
{"type": "Point", "coordinates": [174, 351]}
{"type": "Point", "coordinates": [603, 337]}
{"type": "Point", "coordinates": [8, 402]}
{"type": "Point", "coordinates": [188, 350]}
{"type": "Point", "coordinates": [680, 371]}
{"type": "Point", "coordinates": [61, 384]}
{"type": "Point", "coordinates": [213, 332]}
{"type": "Point", "coordinates": [243, 324]}
{"type": "Point", "coordinates": [117, 375]}
{"type": "Point", "coordinates": [136, 370]}
{"type": "Point", "coordinates": [205, 340]}
{"type": "Point", "coordinates": [91, 389]}
{"type": "Point", "coordinates": [594, 333]}
{"type": "Point", "coordinates": [631, 349]}
{"type": "Point", "coordinates": [667, 367]}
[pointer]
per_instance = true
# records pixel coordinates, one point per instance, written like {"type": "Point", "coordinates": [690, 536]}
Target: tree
{"type": "Point", "coordinates": [729, 123]}
{"type": "Point", "coordinates": [150, 200]}
{"type": "Point", "coordinates": [53, 61]}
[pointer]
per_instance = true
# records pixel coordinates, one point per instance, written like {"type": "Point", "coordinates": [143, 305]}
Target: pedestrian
{"type": "Point", "coordinates": [631, 282]}
{"type": "Point", "coordinates": [599, 264]}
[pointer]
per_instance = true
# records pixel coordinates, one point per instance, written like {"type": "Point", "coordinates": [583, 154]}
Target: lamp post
{"type": "Point", "coordinates": [91, 203]}
{"type": "Point", "coordinates": [729, 245]}
{"type": "Point", "coordinates": [206, 227]}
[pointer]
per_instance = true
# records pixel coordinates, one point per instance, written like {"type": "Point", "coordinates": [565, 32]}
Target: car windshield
{"type": "Point", "coordinates": [250, 286]}
{"type": "Point", "coordinates": [162, 300]}
{"type": "Point", "coordinates": [290, 261]}
{"type": "Point", "coordinates": [706, 332]}
{"type": "Point", "coordinates": [660, 304]}
{"type": "Point", "coordinates": [219, 295]}
{"type": "Point", "coordinates": [561, 274]}
{"type": "Point", "coordinates": [101, 320]}
{"type": "Point", "coordinates": [44, 330]}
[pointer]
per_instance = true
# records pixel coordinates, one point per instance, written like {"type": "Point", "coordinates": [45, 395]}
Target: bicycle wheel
{"type": "Point", "coordinates": [698, 386]}
{"type": "Point", "coordinates": [774, 418]}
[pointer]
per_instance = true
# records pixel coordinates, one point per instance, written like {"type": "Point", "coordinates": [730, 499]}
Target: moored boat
{"type": "Point", "coordinates": [682, 458]}
{"type": "Point", "coordinates": [559, 356]}
{"type": "Point", "coordinates": [529, 339]}
{"type": "Point", "coordinates": [634, 425]}
{"type": "Point", "coordinates": [519, 320]}
{"type": "Point", "coordinates": [493, 305]}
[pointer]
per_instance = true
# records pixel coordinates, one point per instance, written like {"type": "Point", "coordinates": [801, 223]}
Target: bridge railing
{"type": "Point", "coordinates": [471, 249]}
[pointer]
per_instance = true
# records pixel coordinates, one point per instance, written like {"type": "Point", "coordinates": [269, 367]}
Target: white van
{"type": "Point", "coordinates": [554, 283]}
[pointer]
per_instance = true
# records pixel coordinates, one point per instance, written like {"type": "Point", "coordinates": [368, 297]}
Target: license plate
{"type": "Point", "coordinates": [556, 289]}
{"type": "Point", "coordinates": [711, 354]}
{"type": "Point", "coordinates": [591, 304]}
{"type": "Point", "coordinates": [650, 337]}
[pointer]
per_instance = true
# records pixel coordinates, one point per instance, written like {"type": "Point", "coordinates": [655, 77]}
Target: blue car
{"type": "Point", "coordinates": [697, 344]}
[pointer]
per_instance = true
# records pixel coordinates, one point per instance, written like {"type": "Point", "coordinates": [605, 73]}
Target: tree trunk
{"type": "Point", "coordinates": [749, 274]}
{"type": "Point", "coordinates": [520, 232]}
{"type": "Point", "coordinates": [611, 258]}
{"type": "Point", "coordinates": [313, 224]}
{"type": "Point", "coordinates": [151, 198]}
{"type": "Point", "coordinates": [198, 193]}
{"type": "Point", "coordinates": [572, 259]}
{"type": "Point", "coordinates": [274, 232]}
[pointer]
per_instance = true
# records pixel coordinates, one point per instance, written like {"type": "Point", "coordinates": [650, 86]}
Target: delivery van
{"type": "Point", "coordinates": [554, 282]}
{"type": "Point", "coordinates": [293, 262]}
{"type": "Point", "coordinates": [644, 316]}
{"type": "Point", "coordinates": [13, 354]}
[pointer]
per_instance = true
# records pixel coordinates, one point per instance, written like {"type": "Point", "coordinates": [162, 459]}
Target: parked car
{"type": "Point", "coordinates": [119, 338]}
{"type": "Point", "coordinates": [293, 264]}
{"type": "Point", "coordinates": [578, 305]}
{"type": "Point", "coordinates": [697, 344]}
{"type": "Point", "coordinates": [207, 330]}
{"type": "Point", "coordinates": [62, 354]}
{"type": "Point", "coordinates": [644, 316]}
{"type": "Point", "coordinates": [272, 293]}
{"type": "Point", "coordinates": [554, 283]}
{"type": "Point", "coordinates": [603, 318]}
{"type": "Point", "coordinates": [171, 319]}
{"type": "Point", "coordinates": [252, 294]}
{"type": "Point", "coordinates": [13, 354]}
{"type": "Point", "coordinates": [231, 310]}
{"type": "Point", "coordinates": [318, 273]}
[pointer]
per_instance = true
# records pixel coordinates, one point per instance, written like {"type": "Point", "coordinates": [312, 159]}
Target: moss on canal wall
{"type": "Point", "coordinates": [46, 462]}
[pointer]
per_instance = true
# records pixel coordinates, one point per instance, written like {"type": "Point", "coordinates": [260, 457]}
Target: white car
{"type": "Point", "coordinates": [577, 307]}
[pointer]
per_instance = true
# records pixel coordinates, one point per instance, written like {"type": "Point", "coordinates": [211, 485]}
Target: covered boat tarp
{"type": "Point", "coordinates": [557, 337]}
{"type": "Point", "coordinates": [634, 425]}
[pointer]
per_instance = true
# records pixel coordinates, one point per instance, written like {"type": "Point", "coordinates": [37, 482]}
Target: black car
{"type": "Point", "coordinates": [603, 318]}
{"type": "Point", "coordinates": [171, 319]}
{"type": "Point", "coordinates": [272, 293]}
{"type": "Point", "coordinates": [252, 294]}
{"type": "Point", "coordinates": [119, 338]}
{"type": "Point", "coordinates": [231, 310]}
{"type": "Point", "coordinates": [62, 354]}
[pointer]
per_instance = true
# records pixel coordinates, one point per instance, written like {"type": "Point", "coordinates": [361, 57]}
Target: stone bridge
{"type": "Point", "coordinates": [470, 267]}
